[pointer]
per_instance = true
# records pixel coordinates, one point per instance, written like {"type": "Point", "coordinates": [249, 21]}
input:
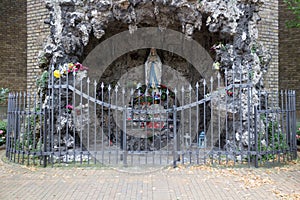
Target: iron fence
{"type": "Point", "coordinates": [85, 122]}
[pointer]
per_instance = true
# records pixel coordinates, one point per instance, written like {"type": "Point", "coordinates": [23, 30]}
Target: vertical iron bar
{"type": "Point", "coordinates": [278, 125]}
{"type": "Point", "coordinates": [287, 122]}
{"type": "Point", "coordinates": [109, 125]}
{"type": "Point", "coordinates": [168, 126]}
{"type": "Point", "coordinates": [29, 127]}
{"type": "Point", "coordinates": [16, 116]}
{"type": "Point", "coordinates": [52, 116]}
{"type": "Point", "coordinates": [255, 136]}
{"type": "Point", "coordinates": [273, 122]}
{"type": "Point", "coordinates": [8, 129]}
{"type": "Point", "coordinates": [124, 137]}
{"type": "Point", "coordinates": [204, 120]}
{"type": "Point", "coordinates": [182, 119]}
{"type": "Point", "coordinates": [45, 138]}
{"type": "Point", "coordinates": [116, 121]}
{"type": "Point", "coordinates": [295, 123]}
{"type": "Point", "coordinates": [88, 119]}
{"type": "Point", "coordinates": [197, 123]}
{"type": "Point", "coordinates": [267, 131]}
{"type": "Point", "coordinates": [41, 117]}
{"type": "Point", "coordinates": [102, 121]}
{"type": "Point", "coordinates": [212, 115]}
{"type": "Point", "coordinates": [249, 115]}
{"type": "Point", "coordinates": [219, 114]}
{"type": "Point", "coordinates": [233, 99]}
{"type": "Point", "coordinates": [59, 118]}
{"type": "Point", "coordinates": [282, 111]}
{"type": "Point", "coordinates": [95, 119]}
{"type": "Point", "coordinates": [81, 120]}
{"type": "Point", "coordinates": [175, 136]}
{"type": "Point", "coordinates": [35, 114]}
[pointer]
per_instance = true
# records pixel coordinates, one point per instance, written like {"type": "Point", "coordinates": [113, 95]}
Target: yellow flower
{"type": "Point", "coordinates": [71, 65]}
{"type": "Point", "coordinates": [56, 74]}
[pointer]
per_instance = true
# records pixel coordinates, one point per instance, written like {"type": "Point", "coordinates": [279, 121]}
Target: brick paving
{"type": "Point", "coordinates": [203, 182]}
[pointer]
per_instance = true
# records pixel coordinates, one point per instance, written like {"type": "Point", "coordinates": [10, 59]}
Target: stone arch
{"type": "Point", "coordinates": [107, 51]}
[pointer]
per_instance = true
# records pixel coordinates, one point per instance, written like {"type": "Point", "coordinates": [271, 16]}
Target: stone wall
{"type": "Point", "coordinates": [289, 50]}
{"type": "Point", "coordinates": [268, 35]}
{"type": "Point", "coordinates": [37, 32]}
{"type": "Point", "coordinates": [13, 44]}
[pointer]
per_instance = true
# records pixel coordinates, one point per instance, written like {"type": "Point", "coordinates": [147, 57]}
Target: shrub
{"type": "Point", "coordinates": [3, 126]}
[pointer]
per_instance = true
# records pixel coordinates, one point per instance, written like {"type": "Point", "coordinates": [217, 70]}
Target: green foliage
{"type": "Point", "coordinates": [3, 94]}
{"type": "Point", "coordinates": [3, 126]}
{"type": "Point", "coordinates": [43, 80]}
{"type": "Point", "coordinates": [30, 140]}
{"type": "Point", "coordinates": [275, 141]}
{"type": "Point", "coordinates": [294, 6]}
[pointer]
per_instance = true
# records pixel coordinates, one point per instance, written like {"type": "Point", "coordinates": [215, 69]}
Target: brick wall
{"type": "Point", "coordinates": [289, 51]}
{"type": "Point", "coordinates": [13, 44]}
{"type": "Point", "coordinates": [37, 32]}
{"type": "Point", "coordinates": [268, 35]}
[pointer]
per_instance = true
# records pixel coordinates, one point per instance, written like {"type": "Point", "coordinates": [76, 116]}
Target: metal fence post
{"type": "Point", "coordinates": [124, 136]}
{"type": "Point", "coordinates": [45, 138]}
{"type": "Point", "coordinates": [255, 136]}
{"type": "Point", "coordinates": [175, 137]}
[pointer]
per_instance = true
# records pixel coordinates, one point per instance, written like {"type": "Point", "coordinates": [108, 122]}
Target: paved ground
{"type": "Point", "coordinates": [20, 182]}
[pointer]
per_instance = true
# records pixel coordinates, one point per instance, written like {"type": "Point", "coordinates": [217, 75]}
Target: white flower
{"type": "Point", "coordinates": [244, 36]}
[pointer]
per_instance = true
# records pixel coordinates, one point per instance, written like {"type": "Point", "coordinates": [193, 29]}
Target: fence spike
{"type": "Point", "coordinates": [211, 79]}
{"type": "Point", "coordinates": [109, 87]}
{"type": "Point", "coordinates": [167, 92]}
{"type": "Point", "coordinates": [102, 85]}
{"type": "Point", "coordinates": [175, 91]}
{"type": "Point", "coordinates": [95, 83]}
{"type": "Point", "coordinates": [219, 76]}
{"type": "Point", "coordinates": [197, 85]}
{"type": "Point", "coordinates": [88, 80]}
{"type": "Point", "coordinates": [182, 89]}
{"type": "Point", "coordinates": [123, 90]}
{"type": "Point", "coordinates": [131, 91]}
{"type": "Point", "coordinates": [204, 82]}
{"type": "Point", "coordinates": [116, 88]}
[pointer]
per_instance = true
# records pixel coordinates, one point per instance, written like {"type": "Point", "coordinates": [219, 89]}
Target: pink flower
{"type": "Point", "coordinates": [1, 132]}
{"type": "Point", "coordinates": [78, 65]}
{"type": "Point", "coordinates": [70, 107]}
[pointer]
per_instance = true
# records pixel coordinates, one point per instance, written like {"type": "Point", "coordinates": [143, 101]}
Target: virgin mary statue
{"type": "Point", "coordinates": [153, 70]}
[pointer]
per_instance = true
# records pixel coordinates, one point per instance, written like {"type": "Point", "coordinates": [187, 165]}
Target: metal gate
{"type": "Point", "coordinates": [84, 122]}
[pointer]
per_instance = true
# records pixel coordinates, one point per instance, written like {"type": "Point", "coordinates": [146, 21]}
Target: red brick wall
{"type": "Point", "coordinates": [289, 54]}
{"type": "Point", "coordinates": [268, 35]}
{"type": "Point", "coordinates": [37, 32]}
{"type": "Point", "coordinates": [13, 44]}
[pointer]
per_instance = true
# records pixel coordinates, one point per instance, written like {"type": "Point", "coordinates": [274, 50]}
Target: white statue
{"type": "Point", "coordinates": [153, 70]}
